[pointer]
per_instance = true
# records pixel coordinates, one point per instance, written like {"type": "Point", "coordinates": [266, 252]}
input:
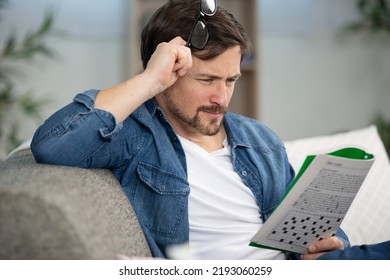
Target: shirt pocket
{"type": "Point", "coordinates": [162, 199]}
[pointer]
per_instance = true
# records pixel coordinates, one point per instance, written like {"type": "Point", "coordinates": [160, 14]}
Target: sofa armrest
{"type": "Point", "coordinates": [58, 212]}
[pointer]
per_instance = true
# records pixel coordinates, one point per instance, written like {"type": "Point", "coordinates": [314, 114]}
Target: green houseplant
{"type": "Point", "coordinates": [16, 106]}
{"type": "Point", "coordinates": [374, 19]}
{"type": "Point", "coordinates": [374, 16]}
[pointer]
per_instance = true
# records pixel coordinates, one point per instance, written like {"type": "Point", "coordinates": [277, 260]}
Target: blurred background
{"type": "Point", "coordinates": [307, 76]}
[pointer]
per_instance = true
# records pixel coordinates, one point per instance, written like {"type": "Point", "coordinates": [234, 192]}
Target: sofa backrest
{"type": "Point", "coordinates": [58, 212]}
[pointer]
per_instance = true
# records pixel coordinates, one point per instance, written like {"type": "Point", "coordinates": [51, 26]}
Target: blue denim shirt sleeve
{"type": "Point", "coordinates": [378, 251]}
{"type": "Point", "coordinates": [74, 133]}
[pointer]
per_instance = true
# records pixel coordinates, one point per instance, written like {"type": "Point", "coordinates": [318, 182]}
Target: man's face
{"type": "Point", "coordinates": [197, 102]}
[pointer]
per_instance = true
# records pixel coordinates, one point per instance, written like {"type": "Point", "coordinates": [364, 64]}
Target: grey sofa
{"type": "Point", "coordinates": [57, 212]}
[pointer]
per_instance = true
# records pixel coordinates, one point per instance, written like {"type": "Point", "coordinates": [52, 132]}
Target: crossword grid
{"type": "Point", "coordinates": [300, 230]}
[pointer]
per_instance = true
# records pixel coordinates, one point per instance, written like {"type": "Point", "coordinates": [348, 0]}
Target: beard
{"type": "Point", "coordinates": [210, 128]}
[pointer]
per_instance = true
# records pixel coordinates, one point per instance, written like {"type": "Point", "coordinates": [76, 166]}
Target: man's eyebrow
{"type": "Point", "coordinates": [212, 76]}
{"type": "Point", "coordinates": [238, 75]}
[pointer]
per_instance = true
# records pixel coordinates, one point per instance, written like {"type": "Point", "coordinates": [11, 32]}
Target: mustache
{"type": "Point", "coordinates": [213, 109]}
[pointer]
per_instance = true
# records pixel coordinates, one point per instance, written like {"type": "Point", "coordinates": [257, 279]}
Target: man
{"type": "Point", "coordinates": [193, 172]}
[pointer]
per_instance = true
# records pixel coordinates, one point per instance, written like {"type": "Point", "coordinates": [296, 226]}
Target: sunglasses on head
{"type": "Point", "coordinates": [199, 35]}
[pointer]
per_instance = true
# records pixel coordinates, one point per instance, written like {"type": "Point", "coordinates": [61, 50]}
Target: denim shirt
{"type": "Point", "coordinates": [146, 156]}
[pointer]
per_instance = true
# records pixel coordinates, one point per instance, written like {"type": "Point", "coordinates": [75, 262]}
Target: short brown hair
{"type": "Point", "coordinates": [177, 17]}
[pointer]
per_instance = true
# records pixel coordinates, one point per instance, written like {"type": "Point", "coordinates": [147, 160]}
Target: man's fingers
{"type": "Point", "coordinates": [170, 61]}
{"type": "Point", "coordinates": [327, 244]}
{"type": "Point", "coordinates": [183, 61]}
{"type": "Point", "coordinates": [321, 247]}
{"type": "Point", "coordinates": [178, 41]}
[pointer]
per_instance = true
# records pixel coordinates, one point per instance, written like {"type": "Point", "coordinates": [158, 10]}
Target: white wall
{"type": "Point", "coordinates": [90, 54]}
{"type": "Point", "coordinates": [312, 81]}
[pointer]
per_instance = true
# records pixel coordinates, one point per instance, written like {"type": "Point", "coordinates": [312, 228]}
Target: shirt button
{"type": "Point", "coordinates": [244, 173]}
{"type": "Point", "coordinates": [173, 139]}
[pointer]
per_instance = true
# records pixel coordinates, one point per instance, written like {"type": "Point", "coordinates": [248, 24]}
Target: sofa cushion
{"type": "Point", "coordinates": [57, 212]}
{"type": "Point", "coordinates": [368, 219]}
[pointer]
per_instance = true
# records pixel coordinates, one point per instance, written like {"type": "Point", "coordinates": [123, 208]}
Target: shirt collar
{"type": "Point", "coordinates": [234, 133]}
{"type": "Point", "coordinates": [152, 106]}
{"type": "Point", "coordinates": [149, 110]}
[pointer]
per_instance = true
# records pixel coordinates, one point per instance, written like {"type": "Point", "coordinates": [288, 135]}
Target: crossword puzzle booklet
{"type": "Point", "coordinates": [317, 201]}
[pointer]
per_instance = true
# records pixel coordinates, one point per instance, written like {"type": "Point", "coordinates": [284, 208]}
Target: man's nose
{"type": "Point", "coordinates": [221, 94]}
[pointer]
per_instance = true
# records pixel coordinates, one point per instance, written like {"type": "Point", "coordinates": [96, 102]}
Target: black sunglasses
{"type": "Point", "coordinates": [199, 35]}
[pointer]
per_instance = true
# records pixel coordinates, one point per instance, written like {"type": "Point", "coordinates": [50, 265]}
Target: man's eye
{"type": "Point", "coordinates": [232, 81]}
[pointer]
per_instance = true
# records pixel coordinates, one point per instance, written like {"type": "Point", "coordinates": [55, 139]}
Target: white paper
{"type": "Point", "coordinates": [316, 205]}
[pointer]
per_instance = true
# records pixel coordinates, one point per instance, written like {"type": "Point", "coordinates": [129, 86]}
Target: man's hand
{"type": "Point", "coordinates": [170, 61]}
{"type": "Point", "coordinates": [323, 246]}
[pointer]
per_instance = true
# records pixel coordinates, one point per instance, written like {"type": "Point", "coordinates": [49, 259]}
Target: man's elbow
{"type": "Point", "coordinates": [51, 151]}
{"type": "Point", "coordinates": [46, 154]}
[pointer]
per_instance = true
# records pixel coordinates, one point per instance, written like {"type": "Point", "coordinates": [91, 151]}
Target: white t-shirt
{"type": "Point", "coordinates": [223, 213]}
